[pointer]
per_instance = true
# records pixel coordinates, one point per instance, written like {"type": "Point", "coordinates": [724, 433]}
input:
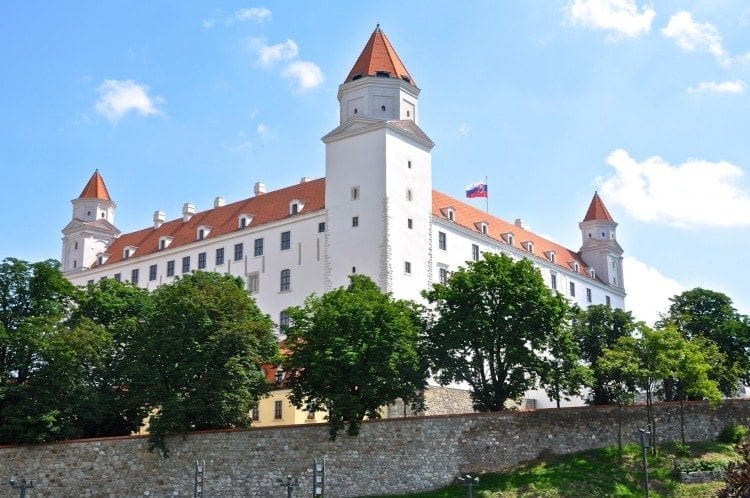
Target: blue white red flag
{"type": "Point", "coordinates": [477, 190]}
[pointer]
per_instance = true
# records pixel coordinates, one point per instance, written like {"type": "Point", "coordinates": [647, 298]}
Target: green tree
{"type": "Point", "coordinates": [597, 328]}
{"type": "Point", "coordinates": [490, 326]}
{"type": "Point", "coordinates": [564, 375]}
{"type": "Point", "coordinates": [657, 355]}
{"type": "Point", "coordinates": [352, 351]}
{"type": "Point", "coordinates": [200, 356]}
{"type": "Point", "coordinates": [702, 313]}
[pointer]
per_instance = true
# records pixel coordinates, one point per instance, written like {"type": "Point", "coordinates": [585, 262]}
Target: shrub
{"type": "Point", "coordinates": [733, 434]}
{"type": "Point", "coordinates": [738, 474]}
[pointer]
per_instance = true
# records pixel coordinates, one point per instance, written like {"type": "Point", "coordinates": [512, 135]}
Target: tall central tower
{"type": "Point", "coordinates": [379, 177]}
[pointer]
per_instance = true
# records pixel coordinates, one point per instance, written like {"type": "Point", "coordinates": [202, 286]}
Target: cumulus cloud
{"type": "Point", "coordinates": [464, 129]}
{"type": "Point", "coordinates": [692, 36]}
{"type": "Point", "coordinates": [257, 14]}
{"type": "Point", "coordinates": [735, 87]}
{"type": "Point", "coordinates": [622, 18]}
{"type": "Point", "coordinates": [262, 130]}
{"type": "Point", "coordinates": [692, 194]}
{"type": "Point", "coordinates": [284, 51]}
{"type": "Point", "coordinates": [304, 75]}
{"type": "Point", "coordinates": [119, 97]}
{"type": "Point", "coordinates": [648, 290]}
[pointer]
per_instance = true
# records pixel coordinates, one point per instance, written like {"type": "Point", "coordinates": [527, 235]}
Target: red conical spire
{"type": "Point", "coordinates": [95, 188]}
{"type": "Point", "coordinates": [379, 56]}
{"type": "Point", "coordinates": [597, 210]}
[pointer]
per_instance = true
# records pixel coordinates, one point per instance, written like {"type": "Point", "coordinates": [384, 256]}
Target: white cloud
{"type": "Point", "coordinates": [622, 18]}
{"type": "Point", "coordinates": [692, 194]}
{"type": "Point", "coordinates": [648, 290]}
{"type": "Point", "coordinates": [464, 129]}
{"type": "Point", "coordinates": [119, 97]}
{"type": "Point", "coordinates": [257, 14]}
{"type": "Point", "coordinates": [269, 54]}
{"type": "Point", "coordinates": [736, 86]}
{"type": "Point", "coordinates": [693, 36]}
{"type": "Point", "coordinates": [262, 130]}
{"type": "Point", "coordinates": [304, 75]}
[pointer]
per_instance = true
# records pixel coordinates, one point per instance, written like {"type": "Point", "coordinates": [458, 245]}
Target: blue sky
{"type": "Point", "coordinates": [180, 102]}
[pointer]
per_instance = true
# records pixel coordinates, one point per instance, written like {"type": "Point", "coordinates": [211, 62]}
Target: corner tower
{"type": "Point", "coordinates": [600, 249]}
{"type": "Point", "coordinates": [379, 177]}
{"type": "Point", "coordinates": [91, 229]}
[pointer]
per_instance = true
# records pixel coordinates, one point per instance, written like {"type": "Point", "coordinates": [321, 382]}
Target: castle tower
{"type": "Point", "coordinates": [379, 177]}
{"type": "Point", "coordinates": [91, 230]}
{"type": "Point", "coordinates": [599, 248]}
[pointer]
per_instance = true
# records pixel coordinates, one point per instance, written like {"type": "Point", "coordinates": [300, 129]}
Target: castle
{"type": "Point", "coordinates": [374, 213]}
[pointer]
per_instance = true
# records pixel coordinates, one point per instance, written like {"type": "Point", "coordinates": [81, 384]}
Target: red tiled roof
{"type": "Point", "coordinates": [379, 55]}
{"type": "Point", "coordinates": [466, 216]}
{"type": "Point", "coordinates": [597, 210]}
{"type": "Point", "coordinates": [264, 208]}
{"type": "Point", "coordinates": [95, 188]}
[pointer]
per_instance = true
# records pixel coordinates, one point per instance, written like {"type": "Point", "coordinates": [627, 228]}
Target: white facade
{"type": "Point", "coordinates": [375, 213]}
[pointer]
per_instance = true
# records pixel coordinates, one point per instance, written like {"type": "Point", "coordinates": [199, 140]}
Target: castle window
{"type": "Point", "coordinates": [408, 194]}
{"type": "Point", "coordinates": [588, 295]}
{"type": "Point", "coordinates": [443, 273]}
{"type": "Point", "coordinates": [152, 273]}
{"type": "Point", "coordinates": [382, 108]}
{"type": "Point", "coordinates": [201, 260]}
{"type": "Point", "coordinates": [283, 324]}
{"type": "Point", "coordinates": [239, 251]}
{"type": "Point", "coordinates": [607, 300]}
{"type": "Point", "coordinates": [134, 276]}
{"type": "Point", "coordinates": [253, 282]}
{"type": "Point", "coordinates": [450, 213]}
{"type": "Point", "coordinates": [551, 256]}
{"type": "Point", "coordinates": [286, 240]}
{"type": "Point", "coordinates": [202, 232]}
{"type": "Point", "coordinates": [407, 267]}
{"type": "Point", "coordinates": [355, 193]}
{"type": "Point", "coordinates": [442, 241]}
{"type": "Point", "coordinates": [355, 221]}
{"type": "Point", "coordinates": [408, 113]}
{"type": "Point", "coordinates": [277, 407]}
{"type": "Point", "coordinates": [474, 252]}
{"type": "Point", "coordinates": [321, 227]}
{"type": "Point", "coordinates": [592, 273]}
{"type": "Point", "coordinates": [90, 282]}
{"type": "Point", "coordinates": [256, 413]}
{"type": "Point", "coordinates": [572, 289]}
{"type": "Point", "coordinates": [483, 227]}
{"type": "Point", "coordinates": [509, 238]}
{"type": "Point", "coordinates": [164, 242]}
{"type": "Point", "coordinates": [186, 264]}
{"type": "Point", "coordinates": [529, 246]}
{"type": "Point", "coordinates": [126, 254]}
{"type": "Point", "coordinates": [258, 247]}
{"type": "Point", "coordinates": [553, 280]}
{"type": "Point", "coordinates": [356, 78]}
{"type": "Point", "coordinates": [409, 223]}
{"type": "Point", "coordinates": [99, 261]}
{"type": "Point", "coordinates": [286, 280]}
{"type": "Point", "coordinates": [219, 256]}
{"type": "Point", "coordinates": [244, 220]}
{"type": "Point", "coordinates": [576, 267]}
{"type": "Point", "coordinates": [75, 246]}
{"type": "Point", "coordinates": [296, 206]}
{"type": "Point", "coordinates": [408, 163]}
{"type": "Point", "coordinates": [382, 74]}
{"type": "Point", "coordinates": [170, 268]}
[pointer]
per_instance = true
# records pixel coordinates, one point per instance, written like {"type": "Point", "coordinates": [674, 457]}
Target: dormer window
{"type": "Point", "coordinates": [295, 206]}
{"type": "Point", "coordinates": [244, 220]}
{"type": "Point", "coordinates": [529, 246]}
{"type": "Point", "coordinates": [164, 242]}
{"type": "Point", "coordinates": [592, 273]}
{"type": "Point", "coordinates": [450, 213]}
{"type": "Point", "coordinates": [483, 227]}
{"type": "Point", "coordinates": [551, 256]}
{"type": "Point", "coordinates": [509, 238]}
{"type": "Point", "coordinates": [576, 266]}
{"type": "Point", "coordinates": [202, 232]}
{"type": "Point", "coordinates": [128, 251]}
{"type": "Point", "coordinates": [382, 74]}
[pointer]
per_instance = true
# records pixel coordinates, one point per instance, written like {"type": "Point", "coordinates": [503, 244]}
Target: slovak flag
{"type": "Point", "coordinates": [477, 190]}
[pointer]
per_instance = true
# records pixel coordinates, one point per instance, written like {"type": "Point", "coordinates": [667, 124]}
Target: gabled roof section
{"type": "Point", "coordinates": [379, 56]}
{"type": "Point", "coordinates": [467, 216]}
{"type": "Point", "coordinates": [95, 188]}
{"type": "Point", "coordinates": [597, 210]}
{"type": "Point", "coordinates": [266, 208]}
{"type": "Point", "coordinates": [411, 127]}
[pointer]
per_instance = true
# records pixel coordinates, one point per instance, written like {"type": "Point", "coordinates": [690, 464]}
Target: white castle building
{"type": "Point", "coordinates": [374, 213]}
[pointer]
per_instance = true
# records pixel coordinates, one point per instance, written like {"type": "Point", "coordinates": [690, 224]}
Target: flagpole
{"type": "Point", "coordinates": [487, 198]}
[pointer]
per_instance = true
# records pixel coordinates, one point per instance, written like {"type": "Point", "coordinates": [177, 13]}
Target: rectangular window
{"type": "Point", "coordinates": [442, 242]}
{"type": "Point", "coordinates": [258, 247]}
{"type": "Point", "coordinates": [286, 280]}
{"type": "Point", "coordinates": [239, 251]}
{"type": "Point", "coordinates": [201, 234]}
{"type": "Point", "coordinates": [553, 281]}
{"type": "Point", "coordinates": [295, 208]}
{"type": "Point", "coordinates": [118, 277]}
{"type": "Point", "coordinates": [407, 267]}
{"type": "Point", "coordinates": [170, 268]}
{"type": "Point", "coordinates": [277, 407]}
{"type": "Point", "coordinates": [134, 276]}
{"type": "Point", "coordinates": [409, 223]}
{"type": "Point", "coordinates": [588, 295]}
{"type": "Point", "coordinates": [152, 273]}
{"type": "Point", "coordinates": [219, 256]}
{"type": "Point", "coordinates": [186, 264]}
{"type": "Point", "coordinates": [256, 413]}
{"type": "Point", "coordinates": [355, 193]}
{"type": "Point", "coordinates": [321, 227]}
{"type": "Point", "coordinates": [253, 282]}
{"type": "Point", "coordinates": [443, 275]}
{"type": "Point", "coordinates": [283, 322]}
{"type": "Point", "coordinates": [608, 300]}
{"type": "Point", "coordinates": [355, 221]}
{"type": "Point", "coordinates": [286, 240]}
{"type": "Point", "coordinates": [474, 252]}
{"type": "Point", "coordinates": [572, 289]}
{"type": "Point", "coordinates": [201, 260]}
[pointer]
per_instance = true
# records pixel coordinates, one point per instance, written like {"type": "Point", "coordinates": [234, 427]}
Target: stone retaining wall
{"type": "Point", "coordinates": [390, 456]}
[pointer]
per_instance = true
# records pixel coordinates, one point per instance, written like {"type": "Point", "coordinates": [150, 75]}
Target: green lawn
{"type": "Point", "coordinates": [597, 473]}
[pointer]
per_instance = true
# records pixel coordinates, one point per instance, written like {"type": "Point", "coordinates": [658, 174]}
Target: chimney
{"type": "Point", "coordinates": [520, 224]}
{"type": "Point", "coordinates": [218, 202]}
{"type": "Point", "coordinates": [188, 210]}
{"type": "Point", "coordinates": [304, 179]}
{"type": "Point", "coordinates": [159, 218]}
{"type": "Point", "coordinates": [259, 189]}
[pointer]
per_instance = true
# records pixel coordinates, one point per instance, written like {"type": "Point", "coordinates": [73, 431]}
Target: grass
{"type": "Point", "coordinates": [598, 473]}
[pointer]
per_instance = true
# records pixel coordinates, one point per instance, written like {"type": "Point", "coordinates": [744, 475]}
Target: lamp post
{"type": "Point", "coordinates": [319, 472]}
{"type": "Point", "coordinates": [469, 481]}
{"type": "Point", "coordinates": [200, 467]}
{"type": "Point", "coordinates": [23, 485]}
{"type": "Point", "coordinates": [289, 482]}
{"type": "Point", "coordinates": [644, 447]}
